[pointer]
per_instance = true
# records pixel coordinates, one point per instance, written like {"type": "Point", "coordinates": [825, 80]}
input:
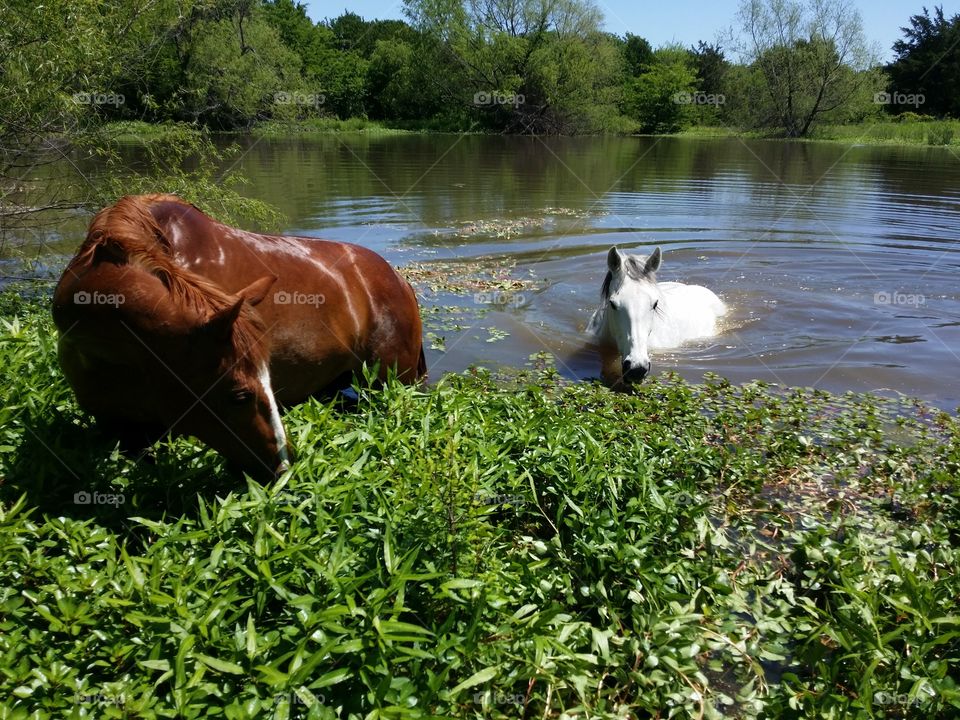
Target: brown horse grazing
{"type": "Point", "coordinates": [172, 322]}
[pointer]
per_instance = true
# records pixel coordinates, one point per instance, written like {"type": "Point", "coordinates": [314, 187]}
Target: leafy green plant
{"type": "Point", "coordinates": [488, 546]}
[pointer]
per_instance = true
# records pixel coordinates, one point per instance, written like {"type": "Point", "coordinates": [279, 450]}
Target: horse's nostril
{"type": "Point", "coordinates": [634, 373]}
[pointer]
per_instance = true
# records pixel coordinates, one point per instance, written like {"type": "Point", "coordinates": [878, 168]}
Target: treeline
{"type": "Point", "coordinates": [537, 66]}
{"type": "Point", "coordinates": [517, 66]}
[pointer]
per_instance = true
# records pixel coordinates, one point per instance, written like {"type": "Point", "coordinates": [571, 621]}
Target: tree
{"type": "Point", "coordinates": [811, 56]}
{"type": "Point", "coordinates": [637, 54]}
{"type": "Point", "coordinates": [928, 63]}
{"type": "Point", "coordinates": [710, 65]}
{"type": "Point", "coordinates": [531, 66]}
{"type": "Point", "coordinates": [660, 99]}
{"type": "Point", "coordinates": [240, 71]}
{"type": "Point", "coordinates": [64, 69]}
{"type": "Point", "coordinates": [56, 61]}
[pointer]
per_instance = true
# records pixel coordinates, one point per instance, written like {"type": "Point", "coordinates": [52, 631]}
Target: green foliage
{"type": "Point", "coordinates": [82, 72]}
{"type": "Point", "coordinates": [239, 71]}
{"type": "Point", "coordinates": [183, 160]}
{"type": "Point", "coordinates": [522, 67]}
{"type": "Point", "coordinates": [711, 66]}
{"type": "Point", "coordinates": [907, 128]}
{"type": "Point", "coordinates": [660, 99]}
{"type": "Point", "coordinates": [637, 54]}
{"type": "Point", "coordinates": [484, 549]}
{"type": "Point", "coordinates": [529, 67]}
{"type": "Point", "coordinates": [810, 63]}
{"type": "Point", "coordinates": [928, 63]}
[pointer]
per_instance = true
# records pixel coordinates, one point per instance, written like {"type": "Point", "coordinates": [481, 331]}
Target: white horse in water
{"type": "Point", "coordinates": [638, 313]}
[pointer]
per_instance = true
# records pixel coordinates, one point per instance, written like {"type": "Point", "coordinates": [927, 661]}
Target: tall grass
{"type": "Point", "coordinates": [915, 130]}
{"type": "Point", "coordinates": [484, 548]}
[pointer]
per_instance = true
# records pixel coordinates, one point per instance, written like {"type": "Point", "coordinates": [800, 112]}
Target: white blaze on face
{"type": "Point", "coordinates": [275, 423]}
{"type": "Point", "coordinates": [632, 316]}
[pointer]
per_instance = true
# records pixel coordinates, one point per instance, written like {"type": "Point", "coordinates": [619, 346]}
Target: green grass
{"type": "Point", "coordinates": [911, 130]}
{"type": "Point", "coordinates": [279, 128]}
{"type": "Point", "coordinates": [485, 547]}
{"type": "Point", "coordinates": [138, 130]}
{"type": "Point", "coordinates": [712, 131]}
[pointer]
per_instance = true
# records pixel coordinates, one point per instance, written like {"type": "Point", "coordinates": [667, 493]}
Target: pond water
{"type": "Point", "coordinates": [840, 264]}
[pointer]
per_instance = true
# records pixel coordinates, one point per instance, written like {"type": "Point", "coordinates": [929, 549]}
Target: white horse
{"type": "Point", "coordinates": [638, 313]}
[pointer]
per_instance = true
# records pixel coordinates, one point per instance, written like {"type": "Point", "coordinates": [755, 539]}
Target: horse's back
{"type": "Point", "coordinates": [332, 307]}
{"type": "Point", "coordinates": [690, 312]}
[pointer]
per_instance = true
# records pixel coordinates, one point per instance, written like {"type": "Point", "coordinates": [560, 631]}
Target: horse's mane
{"type": "Point", "coordinates": [128, 233]}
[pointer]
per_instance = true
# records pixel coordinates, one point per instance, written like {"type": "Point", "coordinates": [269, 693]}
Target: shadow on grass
{"type": "Point", "coordinates": [67, 466]}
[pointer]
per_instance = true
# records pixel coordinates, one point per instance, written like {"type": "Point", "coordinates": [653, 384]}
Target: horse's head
{"type": "Point", "coordinates": [231, 402]}
{"type": "Point", "coordinates": [147, 343]}
{"type": "Point", "coordinates": [161, 361]}
{"type": "Point", "coordinates": [631, 298]}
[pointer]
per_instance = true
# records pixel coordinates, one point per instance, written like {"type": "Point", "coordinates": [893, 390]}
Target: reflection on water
{"type": "Point", "coordinates": [839, 263]}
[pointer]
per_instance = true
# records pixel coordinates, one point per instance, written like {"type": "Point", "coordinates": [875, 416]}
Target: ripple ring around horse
{"type": "Point", "coordinates": [638, 314]}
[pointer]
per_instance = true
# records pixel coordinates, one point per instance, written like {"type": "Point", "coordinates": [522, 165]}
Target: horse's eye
{"type": "Point", "coordinates": [241, 397]}
{"type": "Point", "coordinates": [614, 304]}
{"type": "Point", "coordinates": [655, 303]}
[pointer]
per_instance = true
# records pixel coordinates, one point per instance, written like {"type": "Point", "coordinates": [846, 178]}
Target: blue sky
{"type": "Point", "coordinates": [684, 21]}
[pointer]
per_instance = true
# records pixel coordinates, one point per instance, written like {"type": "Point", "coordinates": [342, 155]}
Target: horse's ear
{"type": "Point", "coordinates": [255, 292]}
{"type": "Point", "coordinates": [653, 262]}
{"type": "Point", "coordinates": [614, 259]}
{"type": "Point", "coordinates": [220, 324]}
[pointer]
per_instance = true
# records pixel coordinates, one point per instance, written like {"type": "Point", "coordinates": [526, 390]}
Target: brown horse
{"type": "Point", "coordinates": [172, 322]}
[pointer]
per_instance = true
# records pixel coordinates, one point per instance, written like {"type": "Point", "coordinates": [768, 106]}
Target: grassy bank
{"type": "Point", "coordinates": [484, 548]}
{"type": "Point", "coordinates": [914, 130]}
{"type": "Point", "coordinates": [917, 131]}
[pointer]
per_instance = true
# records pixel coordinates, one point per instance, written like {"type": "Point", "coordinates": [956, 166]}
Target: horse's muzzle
{"type": "Point", "coordinates": [634, 372]}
